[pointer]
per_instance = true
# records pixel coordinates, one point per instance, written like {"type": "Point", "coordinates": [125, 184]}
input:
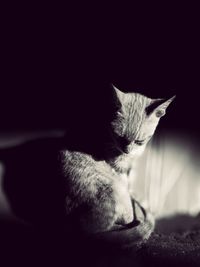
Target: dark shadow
{"type": "Point", "coordinates": [32, 181]}
{"type": "Point", "coordinates": [178, 224]}
{"type": "Point", "coordinates": [175, 242]}
{"type": "Point", "coordinates": [36, 192]}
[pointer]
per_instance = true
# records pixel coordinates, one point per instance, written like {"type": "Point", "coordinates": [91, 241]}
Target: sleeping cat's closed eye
{"type": "Point", "coordinates": [140, 142]}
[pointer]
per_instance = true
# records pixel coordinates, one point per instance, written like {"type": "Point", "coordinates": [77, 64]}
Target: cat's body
{"type": "Point", "coordinates": [91, 189]}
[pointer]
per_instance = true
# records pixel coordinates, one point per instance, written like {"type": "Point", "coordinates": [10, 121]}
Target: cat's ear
{"type": "Point", "coordinates": [159, 106]}
{"type": "Point", "coordinates": [117, 93]}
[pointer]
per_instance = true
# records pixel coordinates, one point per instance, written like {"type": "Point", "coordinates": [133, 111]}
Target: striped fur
{"type": "Point", "coordinates": [99, 194]}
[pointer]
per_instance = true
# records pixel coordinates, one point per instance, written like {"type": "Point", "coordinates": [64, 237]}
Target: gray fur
{"type": "Point", "coordinates": [102, 187]}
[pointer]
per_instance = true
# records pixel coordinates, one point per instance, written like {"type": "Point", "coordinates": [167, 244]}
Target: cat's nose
{"type": "Point", "coordinates": [125, 149]}
{"type": "Point", "coordinates": [124, 144]}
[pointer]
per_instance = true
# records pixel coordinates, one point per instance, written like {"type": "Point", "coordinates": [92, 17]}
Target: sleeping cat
{"type": "Point", "coordinates": [60, 181]}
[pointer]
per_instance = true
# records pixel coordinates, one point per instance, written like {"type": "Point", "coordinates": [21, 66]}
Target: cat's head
{"type": "Point", "coordinates": [136, 119]}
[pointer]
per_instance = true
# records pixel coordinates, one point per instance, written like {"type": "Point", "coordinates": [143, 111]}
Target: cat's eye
{"type": "Point", "coordinates": [139, 142]}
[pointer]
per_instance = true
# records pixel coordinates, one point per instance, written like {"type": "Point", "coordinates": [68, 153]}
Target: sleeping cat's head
{"type": "Point", "coordinates": [135, 121]}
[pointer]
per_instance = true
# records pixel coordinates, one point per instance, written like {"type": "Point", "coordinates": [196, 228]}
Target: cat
{"type": "Point", "coordinates": [82, 186]}
{"type": "Point", "coordinates": [108, 206]}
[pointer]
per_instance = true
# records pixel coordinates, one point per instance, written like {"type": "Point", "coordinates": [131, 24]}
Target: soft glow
{"type": "Point", "coordinates": [168, 179]}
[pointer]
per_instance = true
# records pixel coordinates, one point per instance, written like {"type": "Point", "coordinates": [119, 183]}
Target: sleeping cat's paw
{"type": "Point", "coordinates": [130, 235]}
{"type": "Point", "coordinates": [139, 212]}
{"type": "Point", "coordinates": [148, 226]}
{"type": "Point", "coordinates": [145, 220]}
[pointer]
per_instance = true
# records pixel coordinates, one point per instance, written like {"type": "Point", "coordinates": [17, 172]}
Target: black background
{"type": "Point", "coordinates": [58, 62]}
